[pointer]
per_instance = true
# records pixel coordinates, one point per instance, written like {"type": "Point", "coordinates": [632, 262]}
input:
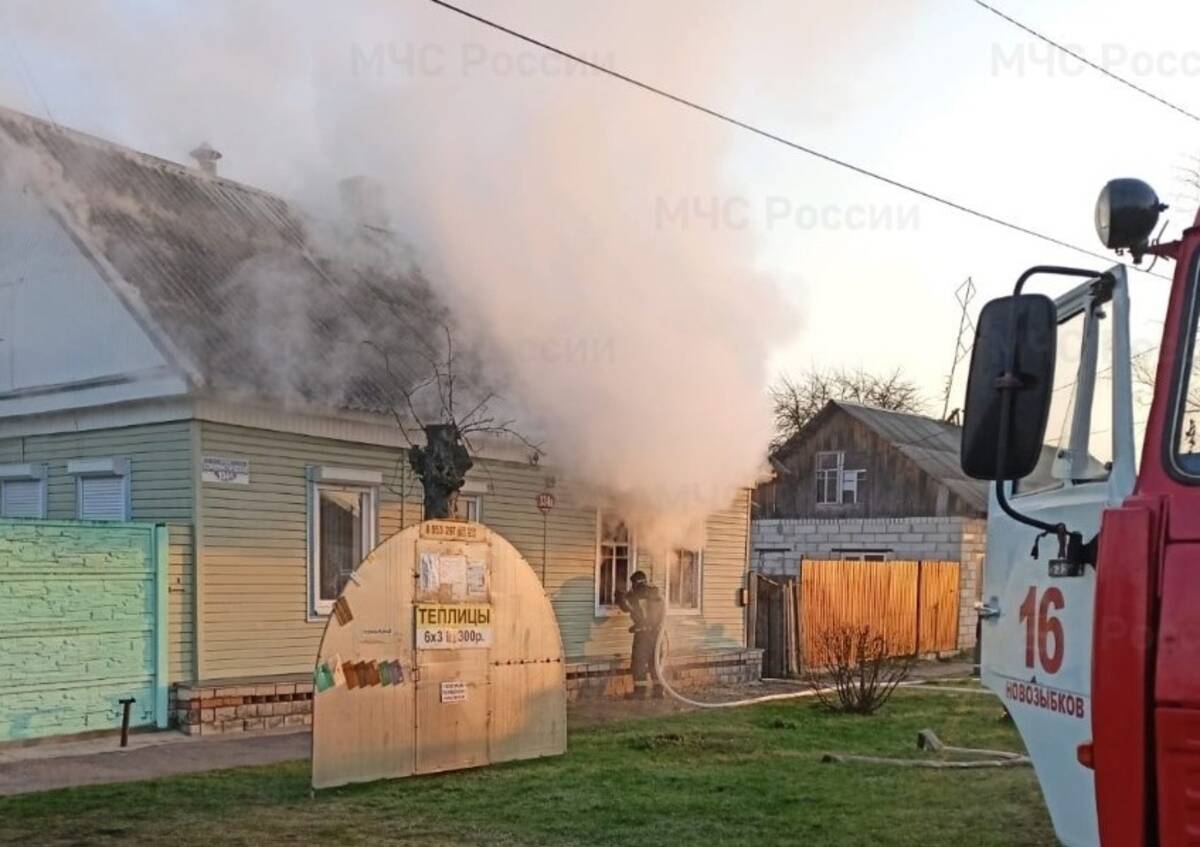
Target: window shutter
{"type": "Point", "coordinates": [21, 498]}
{"type": "Point", "coordinates": [102, 498]}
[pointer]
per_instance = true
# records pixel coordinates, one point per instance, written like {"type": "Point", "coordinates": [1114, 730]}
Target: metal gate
{"type": "Point", "coordinates": [83, 623]}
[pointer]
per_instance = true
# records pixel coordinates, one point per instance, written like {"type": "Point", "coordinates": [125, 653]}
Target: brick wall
{"type": "Point", "coordinates": [778, 546]}
{"type": "Point", "coordinates": [77, 626]}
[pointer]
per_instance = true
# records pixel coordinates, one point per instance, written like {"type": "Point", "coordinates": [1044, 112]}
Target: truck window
{"type": "Point", "coordinates": [1187, 415]}
{"type": "Point", "coordinates": [1079, 437]}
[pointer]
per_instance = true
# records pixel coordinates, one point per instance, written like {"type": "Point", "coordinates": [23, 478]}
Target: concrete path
{"type": "Point", "coordinates": [45, 767]}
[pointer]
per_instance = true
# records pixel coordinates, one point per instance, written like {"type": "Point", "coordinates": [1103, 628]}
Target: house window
{"type": "Point", "coordinates": [683, 582]}
{"type": "Point", "coordinates": [850, 486]}
{"type": "Point", "coordinates": [615, 555]}
{"type": "Point", "coordinates": [342, 529]}
{"type": "Point", "coordinates": [101, 489]}
{"type": "Point", "coordinates": [861, 554]}
{"type": "Point", "coordinates": [829, 478]}
{"type": "Point", "coordinates": [22, 491]}
{"type": "Point", "coordinates": [469, 507]}
{"type": "Point", "coordinates": [835, 484]}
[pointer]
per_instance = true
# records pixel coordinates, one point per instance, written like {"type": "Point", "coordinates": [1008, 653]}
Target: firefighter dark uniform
{"type": "Point", "coordinates": [644, 604]}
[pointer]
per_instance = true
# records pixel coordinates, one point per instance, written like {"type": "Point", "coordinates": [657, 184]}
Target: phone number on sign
{"type": "Point", "coordinates": [455, 638]}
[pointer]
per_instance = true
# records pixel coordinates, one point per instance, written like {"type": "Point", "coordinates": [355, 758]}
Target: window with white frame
{"type": "Point", "coordinates": [342, 529]}
{"type": "Point", "coordinates": [835, 484]}
{"type": "Point", "coordinates": [683, 581]}
{"type": "Point", "coordinates": [615, 555]}
{"type": "Point", "coordinates": [102, 489]}
{"type": "Point", "coordinates": [22, 491]}
{"type": "Point", "coordinates": [469, 507]}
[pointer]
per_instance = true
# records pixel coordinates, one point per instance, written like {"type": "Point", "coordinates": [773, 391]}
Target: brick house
{"type": "Point", "coordinates": [867, 484]}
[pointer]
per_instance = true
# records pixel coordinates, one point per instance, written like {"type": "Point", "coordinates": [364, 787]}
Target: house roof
{"type": "Point", "coordinates": [931, 444]}
{"type": "Point", "coordinates": [243, 291]}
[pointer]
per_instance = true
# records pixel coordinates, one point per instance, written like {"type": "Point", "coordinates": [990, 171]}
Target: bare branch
{"type": "Point", "coordinates": [797, 400]}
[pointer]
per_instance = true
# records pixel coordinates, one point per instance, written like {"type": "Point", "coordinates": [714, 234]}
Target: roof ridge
{"type": "Point", "coordinates": [138, 156]}
{"type": "Point", "coordinates": [898, 412]}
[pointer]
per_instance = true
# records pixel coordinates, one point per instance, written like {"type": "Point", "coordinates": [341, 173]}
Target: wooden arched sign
{"type": "Point", "coordinates": [442, 652]}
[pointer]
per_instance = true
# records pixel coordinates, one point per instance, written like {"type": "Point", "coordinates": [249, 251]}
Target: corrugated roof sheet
{"type": "Point", "coordinates": [238, 281]}
{"type": "Point", "coordinates": [933, 445]}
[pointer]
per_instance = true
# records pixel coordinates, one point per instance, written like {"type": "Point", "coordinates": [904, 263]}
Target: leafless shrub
{"type": "Point", "coordinates": [856, 672]}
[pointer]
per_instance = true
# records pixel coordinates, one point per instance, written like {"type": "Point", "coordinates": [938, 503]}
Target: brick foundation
{"type": "Point", "coordinates": [611, 678]}
{"type": "Point", "coordinates": [241, 705]}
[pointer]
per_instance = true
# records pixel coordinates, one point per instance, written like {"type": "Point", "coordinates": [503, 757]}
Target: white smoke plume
{"type": "Point", "coordinates": [567, 220]}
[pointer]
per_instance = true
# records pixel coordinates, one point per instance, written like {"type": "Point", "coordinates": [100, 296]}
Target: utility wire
{"type": "Point", "coordinates": [1093, 65]}
{"type": "Point", "coordinates": [721, 116]}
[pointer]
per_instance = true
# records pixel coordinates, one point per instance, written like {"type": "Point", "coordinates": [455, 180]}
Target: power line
{"type": "Point", "coordinates": [795, 145]}
{"type": "Point", "coordinates": [1093, 65]}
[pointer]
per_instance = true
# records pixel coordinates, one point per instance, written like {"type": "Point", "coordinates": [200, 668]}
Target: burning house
{"type": "Point", "coordinates": [173, 350]}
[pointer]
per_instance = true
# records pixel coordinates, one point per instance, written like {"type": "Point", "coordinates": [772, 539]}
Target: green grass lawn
{"type": "Point", "coordinates": [733, 776]}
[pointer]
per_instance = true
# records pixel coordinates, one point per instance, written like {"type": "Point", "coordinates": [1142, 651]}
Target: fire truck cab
{"type": "Point", "coordinates": [1090, 610]}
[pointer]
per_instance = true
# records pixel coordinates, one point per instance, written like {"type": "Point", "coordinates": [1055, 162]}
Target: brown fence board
{"type": "Point", "coordinates": [883, 596]}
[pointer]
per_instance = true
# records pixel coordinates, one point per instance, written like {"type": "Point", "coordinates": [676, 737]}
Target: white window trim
{"type": "Point", "coordinates": [25, 473]}
{"type": "Point", "coordinates": [819, 476]}
{"type": "Point", "coordinates": [478, 499]}
{"type": "Point", "coordinates": [336, 479]}
{"type": "Point", "coordinates": [600, 610]}
{"type": "Point", "coordinates": [104, 467]}
{"type": "Point", "coordinates": [855, 474]}
{"type": "Point", "coordinates": [685, 611]}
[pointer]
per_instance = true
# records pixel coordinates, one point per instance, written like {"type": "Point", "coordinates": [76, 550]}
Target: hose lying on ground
{"type": "Point", "coordinates": [927, 740]}
{"type": "Point", "coordinates": [660, 649]}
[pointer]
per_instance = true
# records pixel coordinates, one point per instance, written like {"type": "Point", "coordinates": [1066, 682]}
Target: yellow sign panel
{"type": "Point", "coordinates": [458, 626]}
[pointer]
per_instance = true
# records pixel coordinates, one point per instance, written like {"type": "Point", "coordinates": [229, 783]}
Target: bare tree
{"type": "Point", "coordinates": [442, 461]}
{"type": "Point", "coordinates": [798, 399]}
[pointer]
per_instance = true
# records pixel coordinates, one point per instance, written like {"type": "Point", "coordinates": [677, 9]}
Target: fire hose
{"type": "Point", "coordinates": [661, 648]}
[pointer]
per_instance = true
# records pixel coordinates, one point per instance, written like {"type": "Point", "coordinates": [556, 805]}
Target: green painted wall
{"type": "Point", "coordinates": [83, 624]}
{"type": "Point", "coordinates": [160, 461]}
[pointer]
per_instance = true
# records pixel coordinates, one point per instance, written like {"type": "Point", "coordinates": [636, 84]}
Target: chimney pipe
{"type": "Point", "coordinates": [206, 158]}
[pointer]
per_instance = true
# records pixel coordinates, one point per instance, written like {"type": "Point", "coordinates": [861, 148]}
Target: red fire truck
{"type": "Point", "coordinates": [1090, 611]}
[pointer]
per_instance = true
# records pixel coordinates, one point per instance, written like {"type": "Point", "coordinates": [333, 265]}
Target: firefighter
{"type": "Point", "coordinates": [644, 604]}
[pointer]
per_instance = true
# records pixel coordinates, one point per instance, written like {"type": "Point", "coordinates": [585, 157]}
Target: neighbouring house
{"type": "Point", "coordinates": [167, 343]}
{"type": "Point", "coordinates": [867, 484]}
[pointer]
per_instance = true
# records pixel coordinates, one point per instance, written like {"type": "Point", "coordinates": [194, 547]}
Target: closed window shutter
{"type": "Point", "coordinates": [21, 498]}
{"type": "Point", "coordinates": [102, 498]}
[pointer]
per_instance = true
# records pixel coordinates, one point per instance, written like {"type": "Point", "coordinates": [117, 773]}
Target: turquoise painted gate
{"type": "Point", "coordinates": [83, 624]}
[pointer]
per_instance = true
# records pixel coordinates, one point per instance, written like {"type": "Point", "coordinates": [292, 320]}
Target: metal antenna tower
{"type": "Point", "coordinates": [964, 294]}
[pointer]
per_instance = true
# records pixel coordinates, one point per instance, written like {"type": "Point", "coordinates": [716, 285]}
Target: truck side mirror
{"type": "Point", "coordinates": [1013, 355]}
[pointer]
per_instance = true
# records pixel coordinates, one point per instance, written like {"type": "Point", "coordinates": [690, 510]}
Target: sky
{"type": "Point", "coordinates": [937, 93]}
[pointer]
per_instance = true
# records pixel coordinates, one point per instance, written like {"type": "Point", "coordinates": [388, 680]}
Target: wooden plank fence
{"type": "Point", "coordinates": [913, 605]}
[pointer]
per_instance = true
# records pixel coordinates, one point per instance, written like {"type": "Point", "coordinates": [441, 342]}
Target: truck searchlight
{"type": "Point", "coordinates": [1126, 213]}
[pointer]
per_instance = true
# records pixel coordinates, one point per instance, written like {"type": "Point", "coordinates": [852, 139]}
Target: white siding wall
{"type": "Point", "coordinates": [59, 320]}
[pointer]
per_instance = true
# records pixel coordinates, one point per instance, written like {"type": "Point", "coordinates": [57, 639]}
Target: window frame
{"type": "Point", "coordinates": [477, 499]}
{"type": "Point", "coordinates": [337, 479]}
{"type": "Point", "coordinates": [698, 609]}
{"type": "Point", "coordinates": [24, 473]}
{"type": "Point", "coordinates": [104, 468]}
{"type": "Point", "coordinates": [1181, 372]}
{"type": "Point", "coordinates": [820, 476]}
{"type": "Point", "coordinates": [601, 610]}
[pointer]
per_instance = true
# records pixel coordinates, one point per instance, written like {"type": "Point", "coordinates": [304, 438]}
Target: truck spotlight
{"type": "Point", "coordinates": [1126, 214]}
